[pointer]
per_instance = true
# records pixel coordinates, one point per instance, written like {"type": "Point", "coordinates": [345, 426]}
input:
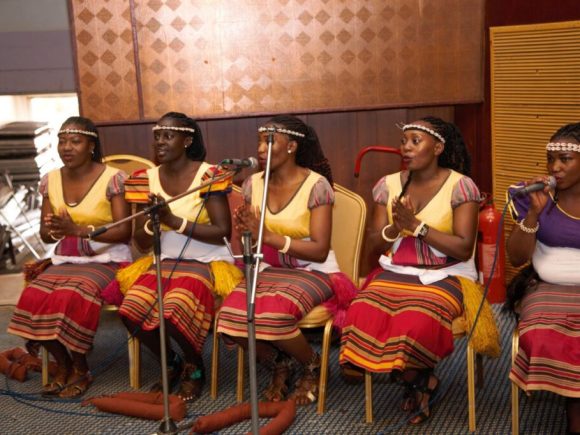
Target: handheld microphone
{"type": "Point", "coordinates": [551, 183]}
{"type": "Point", "coordinates": [250, 162]}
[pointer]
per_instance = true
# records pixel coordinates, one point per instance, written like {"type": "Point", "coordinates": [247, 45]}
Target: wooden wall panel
{"type": "Point", "coordinates": [221, 58]}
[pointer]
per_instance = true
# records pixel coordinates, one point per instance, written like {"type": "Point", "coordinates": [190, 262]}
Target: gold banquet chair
{"type": "Point", "coordinates": [514, 387]}
{"type": "Point", "coordinates": [129, 164]}
{"type": "Point", "coordinates": [348, 225]}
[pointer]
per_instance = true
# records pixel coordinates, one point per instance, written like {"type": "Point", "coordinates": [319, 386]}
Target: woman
{"type": "Point", "coordinates": [426, 216]}
{"type": "Point", "coordinates": [60, 308]}
{"type": "Point", "coordinates": [300, 270]}
{"type": "Point", "coordinates": [548, 234]}
{"type": "Point", "coordinates": [193, 228]}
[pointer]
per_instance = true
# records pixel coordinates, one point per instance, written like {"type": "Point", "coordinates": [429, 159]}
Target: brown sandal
{"type": "Point", "coordinates": [77, 384]}
{"type": "Point", "coordinates": [192, 380]}
{"type": "Point", "coordinates": [55, 387]}
{"type": "Point", "coordinates": [306, 391]}
{"type": "Point", "coordinates": [174, 371]}
{"type": "Point", "coordinates": [278, 388]}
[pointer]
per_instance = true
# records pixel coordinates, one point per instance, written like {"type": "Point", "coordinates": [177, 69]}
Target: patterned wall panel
{"type": "Point", "coordinates": [105, 59]}
{"type": "Point", "coordinates": [215, 58]}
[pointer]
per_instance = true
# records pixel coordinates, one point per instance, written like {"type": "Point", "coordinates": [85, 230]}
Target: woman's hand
{"type": "Point", "coordinates": [165, 215]}
{"type": "Point", "coordinates": [539, 198]}
{"type": "Point", "coordinates": [61, 225]}
{"type": "Point", "coordinates": [404, 214]}
{"type": "Point", "coordinates": [247, 218]}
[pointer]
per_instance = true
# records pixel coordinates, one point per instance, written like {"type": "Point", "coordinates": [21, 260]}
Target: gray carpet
{"type": "Point", "coordinates": [542, 414]}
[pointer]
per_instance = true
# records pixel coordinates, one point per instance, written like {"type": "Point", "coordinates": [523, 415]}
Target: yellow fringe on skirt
{"type": "Point", "coordinates": [485, 338]}
{"type": "Point", "coordinates": [128, 275]}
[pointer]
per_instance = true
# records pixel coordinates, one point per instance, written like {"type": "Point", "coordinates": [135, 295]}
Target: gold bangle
{"type": "Point", "coordinates": [528, 230]}
{"type": "Point", "coordinates": [387, 239]}
{"type": "Point", "coordinates": [56, 239]}
{"type": "Point", "coordinates": [182, 227]}
{"type": "Point", "coordinates": [91, 229]}
{"type": "Point", "coordinates": [286, 246]}
{"type": "Point", "coordinates": [146, 228]}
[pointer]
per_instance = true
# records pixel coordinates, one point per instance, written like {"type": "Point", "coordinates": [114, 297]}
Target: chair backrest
{"type": "Point", "coordinates": [348, 228]}
{"type": "Point", "coordinates": [128, 162]}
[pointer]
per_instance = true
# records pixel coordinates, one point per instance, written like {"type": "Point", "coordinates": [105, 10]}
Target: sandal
{"type": "Point", "coordinates": [306, 391]}
{"type": "Point", "coordinates": [77, 384]}
{"type": "Point", "coordinates": [174, 369]}
{"type": "Point", "coordinates": [409, 402]}
{"type": "Point", "coordinates": [422, 411]}
{"type": "Point", "coordinates": [281, 374]}
{"type": "Point", "coordinates": [352, 374]}
{"type": "Point", "coordinates": [192, 380]}
{"type": "Point", "coordinates": [55, 387]}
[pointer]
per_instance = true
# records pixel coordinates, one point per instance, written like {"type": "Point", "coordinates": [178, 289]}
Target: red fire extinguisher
{"type": "Point", "coordinates": [489, 219]}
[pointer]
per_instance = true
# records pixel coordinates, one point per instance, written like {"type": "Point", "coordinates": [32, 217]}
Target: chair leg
{"type": "Point", "coordinates": [479, 370]}
{"type": "Point", "coordinates": [324, 366]}
{"type": "Point", "coordinates": [240, 383]}
{"type": "Point", "coordinates": [134, 349]}
{"type": "Point", "coordinates": [44, 358]}
{"type": "Point", "coordinates": [471, 386]}
{"type": "Point", "coordinates": [514, 388]}
{"type": "Point", "coordinates": [213, 391]}
{"type": "Point", "coordinates": [369, 396]}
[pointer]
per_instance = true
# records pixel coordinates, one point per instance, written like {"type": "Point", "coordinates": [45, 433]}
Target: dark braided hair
{"type": "Point", "coordinates": [196, 151]}
{"type": "Point", "coordinates": [88, 125]}
{"type": "Point", "coordinates": [309, 153]}
{"type": "Point", "coordinates": [455, 154]}
{"type": "Point", "coordinates": [571, 131]}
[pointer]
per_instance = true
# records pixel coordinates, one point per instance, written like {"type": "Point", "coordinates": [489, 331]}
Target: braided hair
{"type": "Point", "coordinates": [88, 125]}
{"type": "Point", "coordinates": [196, 151]}
{"type": "Point", "coordinates": [571, 131]}
{"type": "Point", "coordinates": [309, 153]}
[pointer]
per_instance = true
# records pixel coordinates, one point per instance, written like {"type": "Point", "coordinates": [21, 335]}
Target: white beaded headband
{"type": "Point", "coordinates": [168, 127]}
{"type": "Point", "coordinates": [563, 146]}
{"type": "Point", "coordinates": [75, 131]}
{"type": "Point", "coordinates": [280, 130]}
{"type": "Point", "coordinates": [426, 129]}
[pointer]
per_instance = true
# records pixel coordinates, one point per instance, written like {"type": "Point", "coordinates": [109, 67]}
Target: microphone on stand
{"type": "Point", "coordinates": [250, 162]}
{"type": "Point", "coordinates": [550, 182]}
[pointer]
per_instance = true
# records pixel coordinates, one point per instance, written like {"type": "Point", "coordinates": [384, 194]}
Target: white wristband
{"type": "Point", "coordinates": [418, 229]}
{"type": "Point", "coordinates": [286, 246]}
{"type": "Point", "coordinates": [386, 238]}
{"type": "Point", "coordinates": [182, 227]}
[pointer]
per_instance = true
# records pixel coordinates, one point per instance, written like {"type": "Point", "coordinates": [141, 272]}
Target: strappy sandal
{"type": "Point", "coordinates": [409, 400]}
{"type": "Point", "coordinates": [306, 391]}
{"type": "Point", "coordinates": [422, 388]}
{"type": "Point", "coordinates": [55, 387]}
{"type": "Point", "coordinates": [174, 370]}
{"type": "Point", "coordinates": [281, 374]}
{"type": "Point", "coordinates": [192, 380]}
{"type": "Point", "coordinates": [77, 384]}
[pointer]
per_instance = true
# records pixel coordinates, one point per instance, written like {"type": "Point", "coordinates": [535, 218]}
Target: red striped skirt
{"type": "Point", "coordinates": [283, 297]}
{"type": "Point", "coordinates": [397, 323]}
{"type": "Point", "coordinates": [549, 353]}
{"type": "Point", "coordinates": [63, 303]}
{"type": "Point", "coordinates": [188, 301]}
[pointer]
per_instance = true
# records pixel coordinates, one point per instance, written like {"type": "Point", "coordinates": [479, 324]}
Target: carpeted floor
{"type": "Point", "coordinates": [542, 414]}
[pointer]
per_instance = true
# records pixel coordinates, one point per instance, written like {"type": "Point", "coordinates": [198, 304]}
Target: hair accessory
{"type": "Point", "coordinates": [169, 127]}
{"type": "Point", "coordinates": [425, 129]}
{"type": "Point", "coordinates": [280, 130]}
{"type": "Point", "coordinates": [528, 229]}
{"type": "Point", "coordinates": [91, 229]}
{"type": "Point", "coordinates": [386, 238]}
{"type": "Point", "coordinates": [182, 227]}
{"type": "Point", "coordinates": [286, 246]}
{"type": "Point", "coordinates": [146, 227]}
{"type": "Point", "coordinates": [562, 146]}
{"type": "Point", "coordinates": [75, 131]}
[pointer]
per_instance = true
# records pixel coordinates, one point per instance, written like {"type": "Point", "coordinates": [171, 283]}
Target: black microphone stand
{"type": "Point", "coordinates": [167, 424]}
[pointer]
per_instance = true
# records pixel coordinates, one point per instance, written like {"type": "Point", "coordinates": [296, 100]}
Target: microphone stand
{"type": "Point", "coordinates": [167, 424]}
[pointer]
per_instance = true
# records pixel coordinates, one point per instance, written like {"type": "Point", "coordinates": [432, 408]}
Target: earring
{"type": "Point", "coordinates": [289, 151]}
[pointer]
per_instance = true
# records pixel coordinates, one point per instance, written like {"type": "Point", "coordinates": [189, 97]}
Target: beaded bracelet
{"type": "Point", "coordinates": [146, 228]}
{"type": "Point", "coordinates": [386, 238]}
{"type": "Point", "coordinates": [286, 246]}
{"type": "Point", "coordinates": [528, 229]}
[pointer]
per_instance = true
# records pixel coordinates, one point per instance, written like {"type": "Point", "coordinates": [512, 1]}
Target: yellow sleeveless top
{"type": "Point", "coordinates": [294, 219]}
{"type": "Point", "coordinates": [438, 212]}
{"type": "Point", "coordinates": [93, 209]}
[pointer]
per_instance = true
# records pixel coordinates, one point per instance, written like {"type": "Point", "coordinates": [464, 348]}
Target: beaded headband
{"type": "Point", "coordinates": [75, 131]}
{"type": "Point", "coordinates": [562, 146]}
{"type": "Point", "coordinates": [425, 129]}
{"type": "Point", "coordinates": [280, 130]}
{"type": "Point", "coordinates": [168, 127]}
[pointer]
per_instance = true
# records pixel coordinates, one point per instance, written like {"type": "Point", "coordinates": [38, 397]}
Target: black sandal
{"type": "Point", "coordinates": [421, 386]}
{"type": "Point", "coordinates": [174, 369]}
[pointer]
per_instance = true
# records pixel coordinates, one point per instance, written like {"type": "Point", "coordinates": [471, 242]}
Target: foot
{"type": "Point", "coordinates": [32, 347]}
{"type": "Point", "coordinates": [77, 384]}
{"type": "Point", "coordinates": [174, 370]}
{"type": "Point", "coordinates": [192, 380]}
{"type": "Point", "coordinates": [409, 400]}
{"type": "Point", "coordinates": [278, 388]}
{"type": "Point", "coordinates": [306, 391]}
{"type": "Point", "coordinates": [352, 374]}
{"type": "Point", "coordinates": [58, 383]}
{"type": "Point", "coordinates": [423, 393]}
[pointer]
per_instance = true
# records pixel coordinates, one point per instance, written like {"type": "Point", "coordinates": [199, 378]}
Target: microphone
{"type": "Point", "coordinates": [250, 162]}
{"type": "Point", "coordinates": [551, 183]}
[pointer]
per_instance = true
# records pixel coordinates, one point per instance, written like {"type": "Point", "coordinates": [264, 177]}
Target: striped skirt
{"type": "Point", "coordinates": [397, 323]}
{"type": "Point", "coordinates": [188, 301]}
{"type": "Point", "coordinates": [283, 297]}
{"type": "Point", "coordinates": [63, 303]}
{"type": "Point", "coordinates": [549, 353]}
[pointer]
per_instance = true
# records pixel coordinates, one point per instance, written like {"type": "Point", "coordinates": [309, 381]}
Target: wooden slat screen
{"type": "Point", "coordinates": [535, 89]}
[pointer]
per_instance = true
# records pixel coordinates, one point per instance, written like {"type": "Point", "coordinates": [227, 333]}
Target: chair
{"type": "Point", "coordinates": [129, 164]}
{"type": "Point", "coordinates": [348, 224]}
{"type": "Point", "coordinates": [514, 387]}
{"type": "Point", "coordinates": [459, 329]}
